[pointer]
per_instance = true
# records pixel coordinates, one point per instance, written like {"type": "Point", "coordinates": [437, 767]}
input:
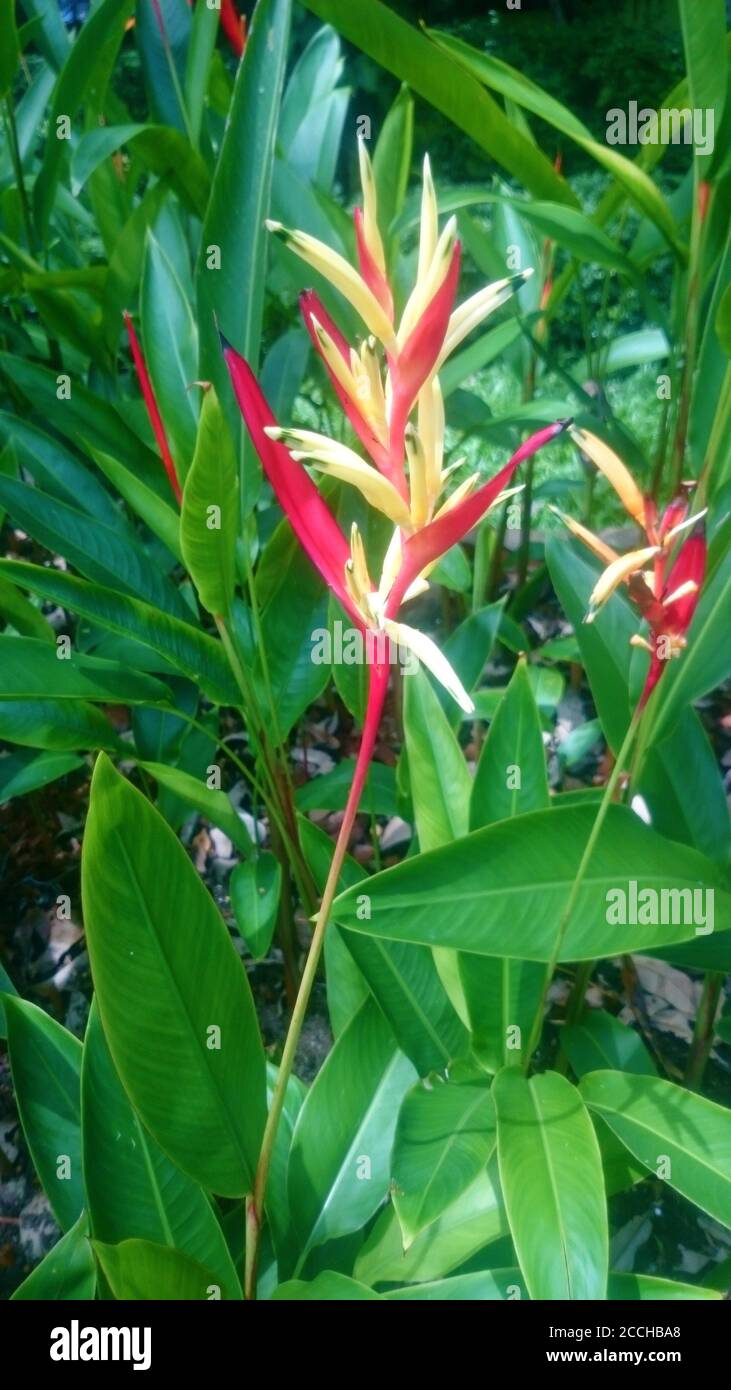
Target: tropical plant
{"type": "Point", "coordinates": [167, 560]}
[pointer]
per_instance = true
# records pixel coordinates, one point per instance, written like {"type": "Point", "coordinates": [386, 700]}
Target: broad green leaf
{"type": "Point", "coordinates": [45, 1060]}
{"type": "Point", "coordinates": [678, 1135]}
{"type": "Point", "coordinates": [98, 552]}
{"type": "Point", "coordinates": [143, 1270]}
{"type": "Point", "coordinates": [191, 652]}
{"type": "Point", "coordinates": [197, 68]}
{"type": "Point", "coordinates": [132, 1188]}
{"type": "Point", "coordinates": [683, 788]}
{"type": "Point", "coordinates": [6, 987]}
{"type": "Point", "coordinates": [553, 1186]}
{"type": "Point", "coordinates": [9, 47]}
{"type": "Point", "coordinates": [31, 670]}
{"type": "Point", "coordinates": [511, 775]}
{"type": "Point", "coordinates": [170, 342]}
{"type": "Point", "coordinates": [503, 890]}
{"type": "Point", "coordinates": [231, 286]}
{"type": "Point", "coordinates": [59, 725]}
{"type": "Point", "coordinates": [293, 611]}
{"type": "Point", "coordinates": [440, 780]}
{"type": "Point", "coordinates": [68, 1270]}
{"type": "Point", "coordinates": [599, 1040]}
{"type": "Point", "coordinates": [468, 649]}
{"type": "Point", "coordinates": [23, 772]}
{"type": "Point", "coordinates": [327, 1287]}
{"type": "Point", "coordinates": [277, 1201]}
{"type": "Point", "coordinates": [348, 1119]}
{"type": "Point", "coordinates": [444, 1137]}
{"type": "Point", "coordinates": [704, 40]}
{"type": "Point", "coordinates": [254, 889]}
{"type": "Point", "coordinates": [473, 1221]}
{"type": "Point", "coordinates": [162, 35]}
{"type": "Point", "coordinates": [434, 75]}
{"type": "Point", "coordinates": [512, 84]}
{"type": "Point", "coordinates": [216, 805]}
{"type": "Point", "coordinates": [173, 996]}
{"type": "Point", "coordinates": [209, 519]}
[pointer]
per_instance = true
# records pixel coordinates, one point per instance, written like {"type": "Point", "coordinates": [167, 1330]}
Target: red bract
{"type": "Point", "coordinates": [153, 412]}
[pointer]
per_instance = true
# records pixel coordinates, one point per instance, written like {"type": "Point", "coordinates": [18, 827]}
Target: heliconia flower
{"type": "Point", "coordinates": [155, 418]}
{"type": "Point", "coordinates": [663, 577]}
{"type": "Point", "coordinates": [234, 26]}
{"type": "Point", "coordinates": [390, 375]}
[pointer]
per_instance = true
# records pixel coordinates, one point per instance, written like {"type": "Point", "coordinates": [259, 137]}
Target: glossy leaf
{"type": "Point", "coordinates": [68, 1270]}
{"type": "Point", "coordinates": [350, 1112]}
{"type": "Point", "coordinates": [46, 1060]}
{"type": "Point", "coordinates": [503, 890]}
{"type": "Point", "coordinates": [170, 341]}
{"type": "Point", "coordinates": [174, 971]}
{"type": "Point", "coordinates": [327, 1287]}
{"type": "Point", "coordinates": [671, 1131]}
{"type": "Point", "coordinates": [254, 889]}
{"type": "Point", "coordinates": [21, 772]}
{"type": "Point", "coordinates": [143, 1270]}
{"type": "Point", "coordinates": [209, 519]}
{"type": "Point", "coordinates": [31, 670]}
{"type": "Point", "coordinates": [132, 1188]}
{"type": "Point", "coordinates": [444, 1136]}
{"type": "Point", "coordinates": [58, 725]}
{"type": "Point", "coordinates": [600, 1040]}
{"type": "Point", "coordinates": [552, 1182]}
{"type": "Point", "coordinates": [511, 775]}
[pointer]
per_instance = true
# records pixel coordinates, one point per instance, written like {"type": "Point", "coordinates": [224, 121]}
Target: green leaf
{"type": "Point", "coordinates": [30, 669]}
{"type": "Point", "coordinates": [444, 1137]}
{"type": "Point", "coordinates": [346, 985]}
{"type": "Point", "coordinates": [132, 1188]}
{"type": "Point", "coordinates": [68, 1270]}
{"type": "Point", "coordinates": [503, 890]}
{"type": "Point", "coordinates": [22, 615]}
{"type": "Point", "coordinates": [661, 1124]}
{"type": "Point", "coordinates": [434, 75]}
{"type": "Point", "coordinates": [511, 775]}
{"type": "Point", "coordinates": [277, 1201]}
{"type": "Point", "coordinates": [440, 780]}
{"type": "Point", "coordinates": [627, 1288]}
{"type": "Point", "coordinates": [392, 165]}
{"type": "Point", "coordinates": [161, 518]}
{"type": "Point", "coordinates": [170, 341]}
{"type": "Point", "coordinates": [599, 1040]}
{"type": "Point", "coordinates": [233, 295]}
{"type": "Point", "coordinates": [254, 890]}
{"type": "Point", "coordinates": [166, 973]}
{"type": "Point", "coordinates": [469, 1224]}
{"type": "Point", "coordinates": [350, 1112]}
{"type": "Point", "coordinates": [479, 1287]}
{"type": "Point", "coordinates": [327, 1287]}
{"type": "Point", "coordinates": [84, 77]}
{"type": "Point", "coordinates": [45, 1060]}
{"type": "Point", "coordinates": [209, 520]}
{"type": "Point", "coordinates": [468, 649]}
{"type": "Point", "coordinates": [704, 40]}
{"type": "Point", "coordinates": [57, 725]}
{"type": "Point", "coordinates": [9, 47]}
{"type": "Point", "coordinates": [59, 472]}
{"type": "Point", "coordinates": [293, 611]}
{"type": "Point", "coordinates": [552, 1181]}
{"type": "Point", "coordinates": [21, 772]}
{"type": "Point", "coordinates": [216, 805]}
{"type": "Point", "coordinates": [191, 652]}
{"type": "Point", "coordinates": [141, 1269]}
{"type": "Point", "coordinates": [499, 76]}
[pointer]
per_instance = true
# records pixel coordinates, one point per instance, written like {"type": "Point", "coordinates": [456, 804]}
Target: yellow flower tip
{"type": "Point", "coordinates": [616, 473]}
{"type": "Point", "coordinates": [277, 227]}
{"type": "Point", "coordinates": [637, 640]}
{"type": "Point", "coordinates": [275, 432]}
{"type": "Point", "coordinates": [619, 570]}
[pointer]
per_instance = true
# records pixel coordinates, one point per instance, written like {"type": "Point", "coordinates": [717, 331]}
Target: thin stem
{"type": "Point", "coordinates": [601, 814]}
{"type": "Point", "coordinates": [255, 1204]}
{"type": "Point", "coordinates": [18, 171]}
{"type": "Point", "coordinates": [703, 1031]}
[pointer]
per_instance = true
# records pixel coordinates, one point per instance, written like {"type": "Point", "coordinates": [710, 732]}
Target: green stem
{"type": "Point", "coordinates": [255, 1203]}
{"type": "Point", "coordinates": [599, 820]}
{"type": "Point", "coordinates": [18, 171]}
{"type": "Point", "coordinates": [703, 1031]}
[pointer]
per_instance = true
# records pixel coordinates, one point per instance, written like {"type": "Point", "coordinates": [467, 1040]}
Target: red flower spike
{"type": "Point", "coordinates": [374, 278]}
{"type": "Point", "coordinates": [690, 565]}
{"type": "Point", "coordinates": [419, 354]}
{"type": "Point", "coordinates": [434, 540]}
{"type": "Point", "coordinates": [312, 307]}
{"type": "Point", "coordinates": [675, 512]}
{"type": "Point", "coordinates": [234, 26]}
{"type": "Point", "coordinates": [153, 412]}
{"type": "Point", "coordinates": [310, 518]}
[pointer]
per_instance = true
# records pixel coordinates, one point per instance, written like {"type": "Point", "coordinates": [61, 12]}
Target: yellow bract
{"type": "Point", "coordinates": [614, 471]}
